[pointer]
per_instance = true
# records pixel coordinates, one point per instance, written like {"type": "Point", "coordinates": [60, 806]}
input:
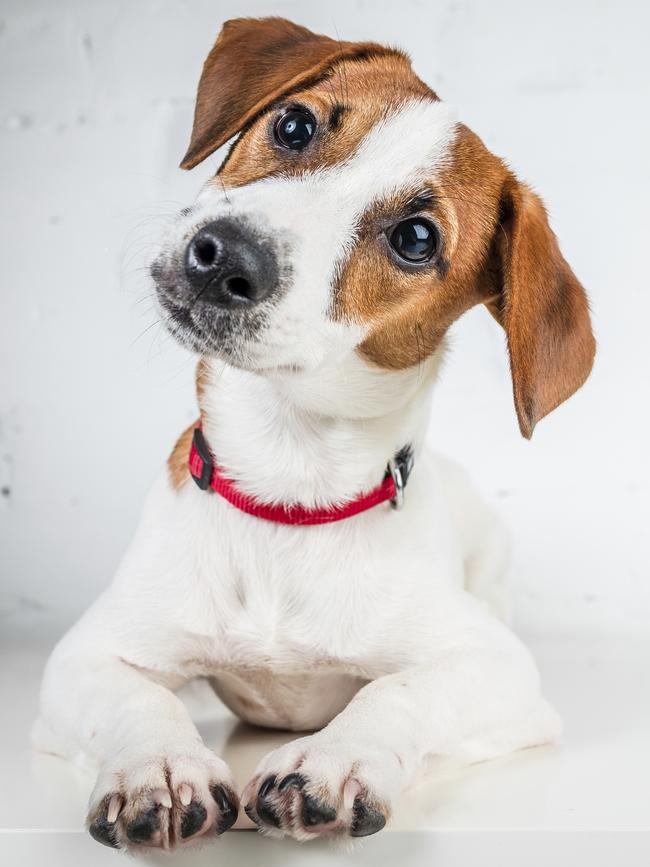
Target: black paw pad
{"type": "Point", "coordinates": [227, 803]}
{"type": "Point", "coordinates": [104, 832]}
{"type": "Point", "coordinates": [142, 828]}
{"type": "Point", "coordinates": [193, 818]}
{"type": "Point", "coordinates": [316, 812]}
{"type": "Point", "coordinates": [366, 820]}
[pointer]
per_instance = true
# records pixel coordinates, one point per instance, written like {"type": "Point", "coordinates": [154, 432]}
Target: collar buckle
{"type": "Point", "coordinates": [400, 468]}
{"type": "Point", "coordinates": [201, 462]}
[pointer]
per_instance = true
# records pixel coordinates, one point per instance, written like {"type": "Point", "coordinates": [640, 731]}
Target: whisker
{"type": "Point", "coordinates": [225, 191]}
{"type": "Point", "coordinates": [158, 321]}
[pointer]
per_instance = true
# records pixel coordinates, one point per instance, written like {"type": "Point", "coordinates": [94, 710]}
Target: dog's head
{"type": "Point", "coordinates": [353, 213]}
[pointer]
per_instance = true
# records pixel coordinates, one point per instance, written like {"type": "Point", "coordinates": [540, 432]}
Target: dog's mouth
{"type": "Point", "coordinates": [203, 327]}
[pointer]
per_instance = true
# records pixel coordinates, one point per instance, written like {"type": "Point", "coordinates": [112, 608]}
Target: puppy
{"type": "Point", "coordinates": [302, 550]}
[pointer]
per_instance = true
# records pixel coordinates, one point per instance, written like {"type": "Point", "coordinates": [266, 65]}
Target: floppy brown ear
{"type": "Point", "coordinates": [253, 63]}
{"type": "Point", "coordinates": [542, 307]}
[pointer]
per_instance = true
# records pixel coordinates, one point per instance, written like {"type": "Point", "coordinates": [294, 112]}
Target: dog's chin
{"type": "Point", "coordinates": [198, 336]}
{"type": "Point", "coordinates": [220, 341]}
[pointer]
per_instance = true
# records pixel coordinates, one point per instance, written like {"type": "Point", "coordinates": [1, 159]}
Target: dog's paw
{"type": "Point", "coordinates": [163, 801]}
{"type": "Point", "coordinates": [315, 786]}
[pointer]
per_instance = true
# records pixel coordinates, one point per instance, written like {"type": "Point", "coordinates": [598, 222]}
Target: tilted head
{"type": "Point", "coordinates": [353, 213]}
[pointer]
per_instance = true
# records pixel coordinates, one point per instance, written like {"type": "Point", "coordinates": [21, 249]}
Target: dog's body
{"type": "Point", "coordinates": [383, 631]}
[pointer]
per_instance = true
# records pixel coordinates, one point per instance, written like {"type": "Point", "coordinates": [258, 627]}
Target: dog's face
{"type": "Point", "coordinates": [354, 214]}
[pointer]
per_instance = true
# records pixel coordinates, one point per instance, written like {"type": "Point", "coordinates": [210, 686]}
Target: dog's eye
{"type": "Point", "coordinates": [415, 240]}
{"type": "Point", "coordinates": [295, 129]}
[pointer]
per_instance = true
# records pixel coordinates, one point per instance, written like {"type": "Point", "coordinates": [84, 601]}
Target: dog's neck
{"type": "Point", "coordinates": [316, 438]}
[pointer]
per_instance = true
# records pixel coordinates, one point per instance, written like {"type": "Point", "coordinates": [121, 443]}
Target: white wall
{"type": "Point", "coordinates": [95, 110]}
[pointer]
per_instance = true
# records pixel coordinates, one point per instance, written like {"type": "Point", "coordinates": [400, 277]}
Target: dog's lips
{"type": "Point", "coordinates": [180, 313]}
{"type": "Point", "coordinates": [205, 328]}
{"type": "Point", "coordinates": [181, 321]}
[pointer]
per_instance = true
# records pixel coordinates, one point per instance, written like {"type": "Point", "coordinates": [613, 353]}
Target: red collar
{"type": "Point", "coordinates": [208, 474]}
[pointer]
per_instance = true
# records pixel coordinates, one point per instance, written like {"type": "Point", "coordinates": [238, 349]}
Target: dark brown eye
{"type": "Point", "coordinates": [295, 129]}
{"type": "Point", "coordinates": [414, 240]}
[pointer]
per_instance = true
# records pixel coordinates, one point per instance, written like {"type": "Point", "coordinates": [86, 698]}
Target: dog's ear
{"type": "Point", "coordinates": [541, 305]}
{"type": "Point", "coordinates": [253, 63]}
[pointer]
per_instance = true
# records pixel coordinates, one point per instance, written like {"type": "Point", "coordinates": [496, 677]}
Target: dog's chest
{"type": "Point", "coordinates": [290, 662]}
{"type": "Point", "coordinates": [297, 638]}
{"type": "Point", "coordinates": [299, 700]}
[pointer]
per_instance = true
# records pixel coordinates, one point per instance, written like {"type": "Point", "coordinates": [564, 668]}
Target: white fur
{"type": "Point", "coordinates": [384, 629]}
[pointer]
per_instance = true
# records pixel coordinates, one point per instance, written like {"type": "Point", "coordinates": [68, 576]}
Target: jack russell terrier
{"type": "Point", "coordinates": [303, 551]}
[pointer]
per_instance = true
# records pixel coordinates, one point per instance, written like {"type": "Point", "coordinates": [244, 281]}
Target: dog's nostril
{"type": "Point", "coordinates": [239, 286]}
{"type": "Point", "coordinates": [205, 250]}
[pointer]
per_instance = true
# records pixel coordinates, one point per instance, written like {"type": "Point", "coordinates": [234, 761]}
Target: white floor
{"type": "Point", "coordinates": [585, 802]}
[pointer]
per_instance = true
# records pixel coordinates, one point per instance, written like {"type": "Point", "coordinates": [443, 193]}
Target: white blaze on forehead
{"type": "Point", "coordinates": [405, 148]}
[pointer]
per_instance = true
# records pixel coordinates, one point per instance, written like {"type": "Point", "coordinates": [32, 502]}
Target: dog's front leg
{"type": "Point", "coordinates": [158, 785]}
{"type": "Point", "coordinates": [475, 698]}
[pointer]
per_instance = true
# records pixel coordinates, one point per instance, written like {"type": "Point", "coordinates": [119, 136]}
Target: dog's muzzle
{"type": "Point", "coordinates": [216, 289]}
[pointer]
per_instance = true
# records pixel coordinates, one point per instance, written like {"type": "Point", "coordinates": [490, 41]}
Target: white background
{"type": "Point", "coordinates": [96, 102]}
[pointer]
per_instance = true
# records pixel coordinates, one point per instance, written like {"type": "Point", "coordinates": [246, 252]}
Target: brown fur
{"type": "Point", "coordinates": [410, 310]}
{"type": "Point", "coordinates": [178, 470]}
{"type": "Point", "coordinates": [360, 92]}
{"type": "Point", "coordinates": [542, 307]}
{"type": "Point", "coordinates": [177, 463]}
{"type": "Point", "coordinates": [201, 380]}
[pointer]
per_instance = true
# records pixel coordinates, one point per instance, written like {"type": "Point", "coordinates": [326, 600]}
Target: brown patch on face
{"type": "Point", "coordinates": [409, 308]}
{"type": "Point", "coordinates": [178, 469]}
{"type": "Point", "coordinates": [346, 105]}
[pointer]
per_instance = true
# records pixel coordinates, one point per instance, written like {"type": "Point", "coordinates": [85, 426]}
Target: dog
{"type": "Point", "coordinates": [302, 550]}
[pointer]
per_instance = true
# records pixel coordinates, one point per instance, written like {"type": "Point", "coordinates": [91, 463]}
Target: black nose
{"type": "Point", "coordinates": [226, 264]}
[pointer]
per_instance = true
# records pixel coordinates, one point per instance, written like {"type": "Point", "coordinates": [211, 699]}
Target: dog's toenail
{"type": "Point", "coordinates": [264, 810]}
{"type": "Point", "coordinates": [295, 780]}
{"type": "Point", "coordinates": [142, 828]}
{"type": "Point", "coordinates": [114, 807]}
{"type": "Point", "coordinates": [366, 819]}
{"type": "Point", "coordinates": [104, 832]}
{"type": "Point", "coordinates": [316, 812]}
{"type": "Point", "coordinates": [266, 786]}
{"type": "Point", "coordinates": [249, 809]}
{"type": "Point", "coordinates": [262, 807]}
{"type": "Point", "coordinates": [185, 794]}
{"type": "Point", "coordinates": [162, 797]}
{"type": "Point", "coordinates": [193, 819]}
{"type": "Point", "coordinates": [227, 804]}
